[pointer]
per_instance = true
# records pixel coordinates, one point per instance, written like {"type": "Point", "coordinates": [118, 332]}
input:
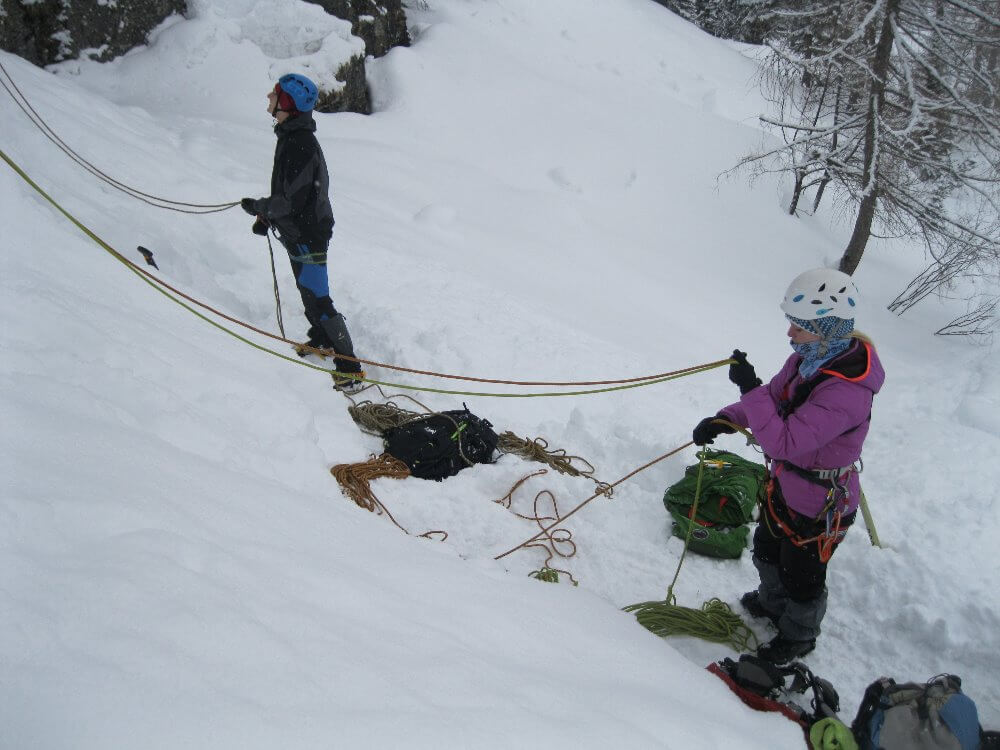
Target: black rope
{"type": "Point", "coordinates": [277, 297]}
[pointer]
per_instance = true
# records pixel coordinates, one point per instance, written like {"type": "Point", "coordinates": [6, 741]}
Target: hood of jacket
{"type": "Point", "coordinates": [303, 121]}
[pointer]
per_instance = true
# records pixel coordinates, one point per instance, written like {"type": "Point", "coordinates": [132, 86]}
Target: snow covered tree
{"type": "Point", "coordinates": [895, 103]}
{"type": "Point", "coordinates": [727, 19]}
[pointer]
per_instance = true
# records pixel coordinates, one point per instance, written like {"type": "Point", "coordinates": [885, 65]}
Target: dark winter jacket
{"type": "Point", "coordinates": [299, 203]}
{"type": "Point", "coordinates": [826, 431]}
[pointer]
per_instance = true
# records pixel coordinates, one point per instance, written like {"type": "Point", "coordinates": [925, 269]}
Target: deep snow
{"type": "Point", "coordinates": [536, 197]}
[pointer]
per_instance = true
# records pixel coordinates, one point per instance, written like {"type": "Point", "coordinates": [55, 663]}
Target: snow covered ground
{"type": "Point", "coordinates": [535, 198]}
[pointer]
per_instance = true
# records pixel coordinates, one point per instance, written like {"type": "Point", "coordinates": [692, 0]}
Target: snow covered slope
{"type": "Point", "coordinates": [536, 198]}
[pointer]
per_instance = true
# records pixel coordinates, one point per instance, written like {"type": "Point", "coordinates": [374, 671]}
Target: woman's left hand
{"type": "Point", "coordinates": [742, 374]}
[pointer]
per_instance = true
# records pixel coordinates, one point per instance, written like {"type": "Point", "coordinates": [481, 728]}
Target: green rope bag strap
{"type": "Point", "coordinates": [715, 621]}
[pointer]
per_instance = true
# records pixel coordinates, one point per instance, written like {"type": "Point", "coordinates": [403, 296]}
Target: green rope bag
{"type": "Point", "coordinates": [729, 494]}
{"type": "Point", "coordinates": [715, 621]}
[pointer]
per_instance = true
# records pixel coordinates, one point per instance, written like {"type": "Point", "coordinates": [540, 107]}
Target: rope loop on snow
{"type": "Point", "coordinates": [556, 542]}
{"type": "Point", "coordinates": [36, 119]}
{"type": "Point", "coordinates": [597, 494]}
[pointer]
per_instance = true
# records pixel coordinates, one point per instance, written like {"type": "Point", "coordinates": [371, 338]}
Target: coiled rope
{"type": "Point", "coordinates": [32, 114]}
{"type": "Point", "coordinates": [355, 478]}
{"type": "Point", "coordinates": [537, 449]}
{"type": "Point", "coordinates": [715, 621]}
{"type": "Point", "coordinates": [355, 482]}
{"type": "Point", "coordinates": [375, 418]}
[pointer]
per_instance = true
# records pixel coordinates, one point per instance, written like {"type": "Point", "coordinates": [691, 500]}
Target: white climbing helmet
{"type": "Point", "coordinates": [821, 293]}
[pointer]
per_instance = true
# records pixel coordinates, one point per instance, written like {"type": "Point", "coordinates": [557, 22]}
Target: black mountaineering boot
{"type": "Point", "coordinates": [781, 650]}
{"type": "Point", "coordinates": [335, 329]}
{"type": "Point", "coordinates": [751, 603]}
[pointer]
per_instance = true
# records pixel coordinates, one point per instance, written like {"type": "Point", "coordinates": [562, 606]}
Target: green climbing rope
{"type": "Point", "coordinates": [715, 621]}
{"type": "Point", "coordinates": [156, 284]}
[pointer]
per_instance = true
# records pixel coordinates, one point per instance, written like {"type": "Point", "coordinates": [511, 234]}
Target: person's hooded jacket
{"type": "Point", "coordinates": [299, 203]}
{"type": "Point", "coordinates": [826, 431]}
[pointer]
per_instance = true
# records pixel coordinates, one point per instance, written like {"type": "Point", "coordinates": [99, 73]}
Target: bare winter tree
{"type": "Point", "coordinates": [896, 104]}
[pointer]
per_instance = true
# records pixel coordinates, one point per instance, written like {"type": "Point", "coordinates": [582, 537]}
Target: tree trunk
{"type": "Point", "coordinates": [800, 175]}
{"type": "Point", "coordinates": [876, 98]}
{"type": "Point", "coordinates": [834, 143]}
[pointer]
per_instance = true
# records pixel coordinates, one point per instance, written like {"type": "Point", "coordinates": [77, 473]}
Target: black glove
{"type": "Point", "coordinates": [260, 227]}
{"type": "Point", "coordinates": [249, 205]}
{"type": "Point", "coordinates": [742, 373]}
{"type": "Point", "coordinates": [708, 429]}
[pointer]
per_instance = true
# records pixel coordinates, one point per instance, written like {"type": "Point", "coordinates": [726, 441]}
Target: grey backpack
{"type": "Point", "coordinates": [934, 715]}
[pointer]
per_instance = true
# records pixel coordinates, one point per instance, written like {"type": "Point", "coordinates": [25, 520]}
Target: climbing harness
{"type": "Point", "coordinates": [307, 258]}
{"type": "Point", "coordinates": [830, 518]}
{"type": "Point", "coordinates": [838, 494]}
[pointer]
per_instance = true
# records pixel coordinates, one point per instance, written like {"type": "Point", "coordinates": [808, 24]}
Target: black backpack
{"type": "Point", "coordinates": [441, 445]}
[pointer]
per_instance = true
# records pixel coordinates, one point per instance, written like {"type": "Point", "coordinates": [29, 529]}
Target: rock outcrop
{"type": "Point", "coordinates": [50, 31]}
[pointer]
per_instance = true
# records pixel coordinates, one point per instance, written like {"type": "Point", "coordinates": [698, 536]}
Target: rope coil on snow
{"type": "Point", "coordinates": [715, 621]}
{"type": "Point", "coordinates": [355, 482]}
{"type": "Point", "coordinates": [354, 479]}
{"type": "Point", "coordinates": [537, 449]}
{"type": "Point", "coordinates": [375, 419]}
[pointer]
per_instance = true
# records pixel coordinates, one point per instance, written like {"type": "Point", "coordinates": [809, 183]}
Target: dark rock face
{"type": "Point", "coordinates": [49, 31]}
{"type": "Point", "coordinates": [354, 97]}
{"type": "Point", "coordinates": [382, 26]}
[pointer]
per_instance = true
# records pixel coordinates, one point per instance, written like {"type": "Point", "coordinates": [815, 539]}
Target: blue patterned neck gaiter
{"type": "Point", "coordinates": [836, 333]}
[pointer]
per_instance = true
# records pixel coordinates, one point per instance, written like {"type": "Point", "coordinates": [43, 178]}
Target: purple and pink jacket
{"type": "Point", "coordinates": [826, 431]}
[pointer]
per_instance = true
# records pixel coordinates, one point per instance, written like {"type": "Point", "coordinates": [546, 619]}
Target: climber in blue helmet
{"type": "Point", "coordinates": [298, 211]}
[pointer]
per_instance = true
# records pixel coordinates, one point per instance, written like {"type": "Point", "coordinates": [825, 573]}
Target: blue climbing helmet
{"type": "Point", "coordinates": [300, 90]}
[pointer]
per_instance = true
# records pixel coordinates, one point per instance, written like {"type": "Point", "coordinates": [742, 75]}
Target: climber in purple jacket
{"type": "Point", "coordinates": [811, 421]}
